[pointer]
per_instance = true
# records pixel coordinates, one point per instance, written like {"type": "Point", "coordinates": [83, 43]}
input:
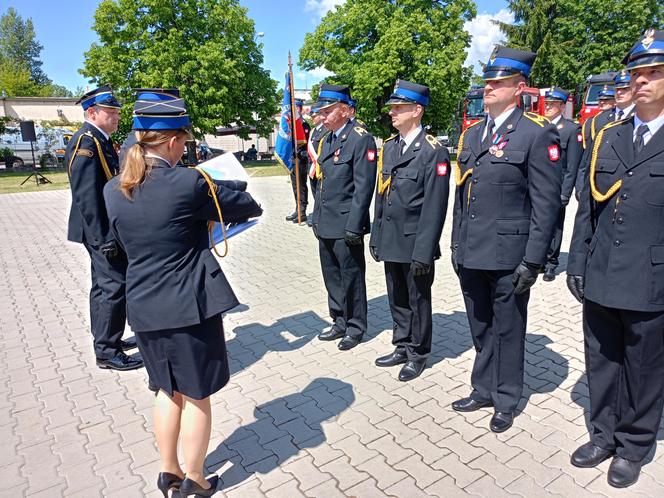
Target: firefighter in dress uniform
{"type": "Point", "coordinates": [507, 201]}
{"type": "Point", "coordinates": [570, 156]}
{"type": "Point", "coordinates": [176, 291]}
{"type": "Point", "coordinates": [303, 161]}
{"type": "Point", "coordinates": [622, 108]}
{"type": "Point", "coordinates": [616, 269]}
{"type": "Point", "coordinates": [346, 180]}
{"type": "Point", "coordinates": [92, 161]}
{"type": "Point", "coordinates": [410, 209]}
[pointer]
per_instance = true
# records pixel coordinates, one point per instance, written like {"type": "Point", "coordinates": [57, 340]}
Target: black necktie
{"type": "Point", "coordinates": [402, 144]}
{"type": "Point", "coordinates": [620, 115]}
{"type": "Point", "coordinates": [486, 143]}
{"type": "Point", "coordinates": [639, 143]}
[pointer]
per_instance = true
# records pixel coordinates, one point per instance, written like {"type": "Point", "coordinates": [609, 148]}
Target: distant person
{"type": "Point", "coordinates": [91, 161]}
{"type": "Point", "coordinates": [251, 154]}
{"type": "Point", "coordinates": [176, 291]}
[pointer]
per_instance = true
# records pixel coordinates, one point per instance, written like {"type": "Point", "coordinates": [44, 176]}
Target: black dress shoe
{"type": "Point", "coordinates": [501, 421]}
{"type": "Point", "coordinates": [189, 487]}
{"type": "Point", "coordinates": [412, 370]}
{"type": "Point", "coordinates": [392, 359]}
{"type": "Point", "coordinates": [130, 343]}
{"type": "Point", "coordinates": [291, 217]}
{"type": "Point", "coordinates": [589, 455]}
{"type": "Point", "coordinates": [623, 473]}
{"type": "Point", "coordinates": [549, 275]}
{"type": "Point", "coordinates": [303, 219]}
{"type": "Point", "coordinates": [469, 405]}
{"type": "Point", "coordinates": [331, 334]}
{"type": "Point", "coordinates": [167, 481]}
{"type": "Point", "coordinates": [348, 342]}
{"type": "Point", "coordinates": [120, 362]}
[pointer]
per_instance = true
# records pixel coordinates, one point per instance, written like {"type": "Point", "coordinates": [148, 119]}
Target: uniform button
{"type": "Point", "coordinates": [620, 220]}
{"type": "Point", "coordinates": [623, 196]}
{"type": "Point", "coordinates": [477, 163]}
{"type": "Point", "coordinates": [473, 198]}
{"type": "Point", "coordinates": [322, 202]}
{"type": "Point", "coordinates": [474, 180]}
{"type": "Point", "coordinates": [472, 216]}
{"type": "Point", "coordinates": [630, 173]}
{"type": "Point", "coordinates": [388, 218]}
{"type": "Point", "coordinates": [389, 203]}
{"type": "Point", "coordinates": [616, 243]}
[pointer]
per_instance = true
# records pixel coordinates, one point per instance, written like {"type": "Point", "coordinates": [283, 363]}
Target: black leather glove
{"type": "Point", "coordinates": [352, 238]}
{"type": "Point", "coordinates": [374, 254]}
{"type": "Point", "coordinates": [420, 269]}
{"type": "Point", "coordinates": [564, 199]}
{"type": "Point", "coordinates": [109, 249]}
{"type": "Point", "coordinates": [576, 285]}
{"type": "Point", "coordinates": [453, 249]}
{"type": "Point", "coordinates": [525, 276]}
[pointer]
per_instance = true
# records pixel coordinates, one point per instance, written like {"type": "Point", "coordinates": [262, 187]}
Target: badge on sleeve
{"type": "Point", "coordinates": [554, 152]}
{"type": "Point", "coordinates": [371, 155]}
{"type": "Point", "coordinates": [441, 168]}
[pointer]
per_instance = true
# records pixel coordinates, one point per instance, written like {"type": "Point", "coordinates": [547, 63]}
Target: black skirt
{"type": "Point", "coordinates": [190, 360]}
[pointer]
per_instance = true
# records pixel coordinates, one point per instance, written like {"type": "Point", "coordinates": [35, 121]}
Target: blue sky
{"type": "Point", "coordinates": [64, 29]}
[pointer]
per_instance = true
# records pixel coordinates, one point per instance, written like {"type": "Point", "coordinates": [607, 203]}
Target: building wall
{"type": "Point", "coordinates": [41, 109]}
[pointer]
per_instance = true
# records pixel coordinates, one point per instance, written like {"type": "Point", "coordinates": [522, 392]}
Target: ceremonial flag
{"type": "Point", "coordinates": [284, 144]}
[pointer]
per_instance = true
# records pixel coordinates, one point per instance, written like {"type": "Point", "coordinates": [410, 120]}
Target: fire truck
{"type": "Point", "coordinates": [593, 85]}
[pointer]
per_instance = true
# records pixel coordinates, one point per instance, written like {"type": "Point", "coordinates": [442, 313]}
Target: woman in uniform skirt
{"type": "Point", "coordinates": [176, 291]}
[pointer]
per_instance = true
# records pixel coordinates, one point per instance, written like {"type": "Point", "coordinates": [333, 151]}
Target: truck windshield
{"type": "Point", "coordinates": [475, 107]}
{"type": "Point", "coordinates": [592, 96]}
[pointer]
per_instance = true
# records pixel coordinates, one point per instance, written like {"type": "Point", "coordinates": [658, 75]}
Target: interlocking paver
{"type": "Point", "coordinates": [86, 432]}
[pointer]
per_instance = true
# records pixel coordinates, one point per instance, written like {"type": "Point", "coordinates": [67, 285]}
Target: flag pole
{"type": "Point", "coordinates": [293, 130]}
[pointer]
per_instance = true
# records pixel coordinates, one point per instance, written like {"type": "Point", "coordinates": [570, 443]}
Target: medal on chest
{"type": "Point", "coordinates": [336, 154]}
{"type": "Point", "coordinates": [499, 143]}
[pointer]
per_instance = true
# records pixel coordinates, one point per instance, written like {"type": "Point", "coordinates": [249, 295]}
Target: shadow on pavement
{"type": "Point", "coordinates": [253, 341]}
{"type": "Point", "coordinates": [544, 369]}
{"type": "Point", "coordinates": [284, 427]}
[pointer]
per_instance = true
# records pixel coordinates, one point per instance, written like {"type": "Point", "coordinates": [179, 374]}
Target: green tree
{"type": "Point", "coordinates": [19, 46]}
{"type": "Point", "coordinates": [15, 81]}
{"type": "Point", "coordinates": [368, 44]}
{"type": "Point", "coordinates": [575, 39]}
{"type": "Point", "coordinates": [206, 48]}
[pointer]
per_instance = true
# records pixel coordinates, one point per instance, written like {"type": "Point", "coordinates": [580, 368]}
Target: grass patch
{"type": "Point", "coordinates": [275, 170]}
{"type": "Point", "coordinates": [10, 183]}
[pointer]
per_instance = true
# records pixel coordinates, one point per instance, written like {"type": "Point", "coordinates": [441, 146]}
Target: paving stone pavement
{"type": "Point", "coordinates": [298, 417]}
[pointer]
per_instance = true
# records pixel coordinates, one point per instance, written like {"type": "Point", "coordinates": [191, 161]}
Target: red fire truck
{"type": "Point", "coordinates": [593, 85]}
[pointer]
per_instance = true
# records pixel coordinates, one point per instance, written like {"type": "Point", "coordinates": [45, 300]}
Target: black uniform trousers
{"type": "Point", "coordinates": [497, 319]}
{"type": "Point", "coordinates": [344, 271]}
{"type": "Point", "coordinates": [304, 191]}
{"type": "Point", "coordinates": [410, 304]}
{"type": "Point", "coordinates": [625, 369]}
{"type": "Point", "coordinates": [554, 251]}
{"type": "Point", "coordinates": [108, 306]}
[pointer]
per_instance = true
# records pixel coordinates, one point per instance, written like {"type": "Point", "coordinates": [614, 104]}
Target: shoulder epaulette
{"type": "Point", "coordinates": [360, 131]}
{"type": "Point", "coordinates": [463, 134]}
{"type": "Point", "coordinates": [432, 141]}
{"type": "Point", "coordinates": [537, 119]}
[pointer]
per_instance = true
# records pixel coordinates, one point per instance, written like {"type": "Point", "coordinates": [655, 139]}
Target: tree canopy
{"type": "Point", "coordinates": [369, 44]}
{"type": "Point", "coordinates": [575, 39]}
{"type": "Point", "coordinates": [206, 48]}
{"type": "Point", "coordinates": [21, 73]}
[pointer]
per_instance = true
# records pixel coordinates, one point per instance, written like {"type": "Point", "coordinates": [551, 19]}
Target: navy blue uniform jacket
{"type": "Point", "coordinates": [343, 197]}
{"type": "Point", "coordinates": [623, 260]}
{"type": "Point", "coordinates": [173, 280]}
{"type": "Point", "coordinates": [88, 220]}
{"type": "Point", "coordinates": [572, 150]}
{"type": "Point", "coordinates": [410, 214]}
{"type": "Point", "coordinates": [507, 204]}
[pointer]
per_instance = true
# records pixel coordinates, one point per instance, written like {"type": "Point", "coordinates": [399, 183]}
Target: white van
{"type": "Point", "coordinates": [50, 142]}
